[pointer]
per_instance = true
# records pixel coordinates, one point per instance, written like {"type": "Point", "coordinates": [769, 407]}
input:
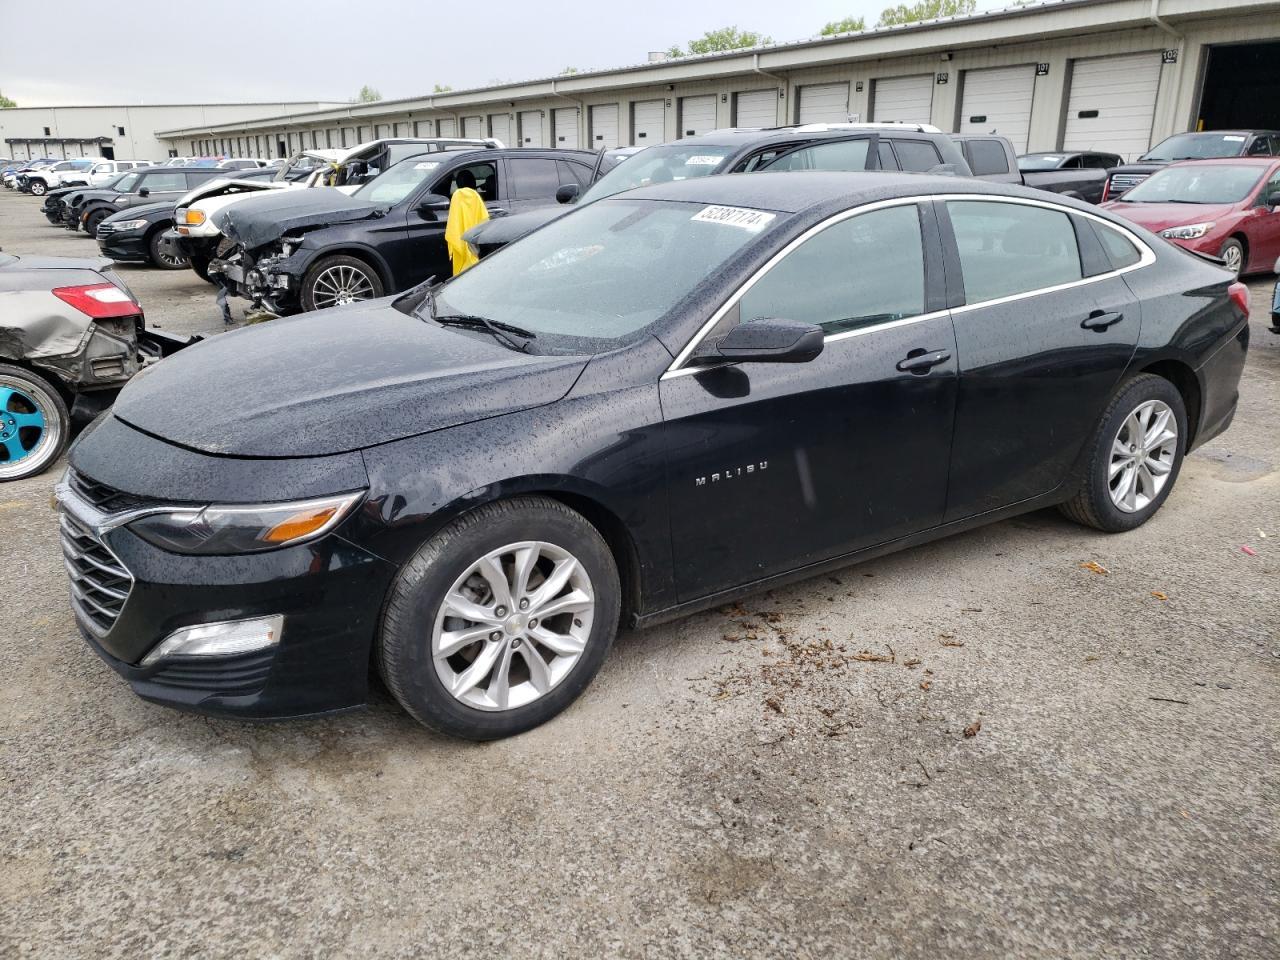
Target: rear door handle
{"type": "Point", "coordinates": [1100, 320]}
{"type": "Point", "coordinates": [919, 361]}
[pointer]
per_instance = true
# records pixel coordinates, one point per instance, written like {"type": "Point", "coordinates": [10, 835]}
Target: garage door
{"type": "Point", "coordinates": [999, 101]}
{"type": "Point", "coordinates": [604, 126]}
{"type": "Point", "coordinates": [907, 99]}
{"type": "Point", "coordinates": [448, 127]}
{"type": "Point", "coordinates": [530, 128]}
{"type": "Point", "coordinates": [824, 103]}
{"type": "Point", "coordinates": [1112, 104]}
{"type": "Point", "coordinates": [697, 115]}
{"type": "Point", "coordinates": [473, 126]}
{"type": "Point", "coordinates": [755, 108]}
{"type": "Point", "coordinates": [566, 127]}
{"type": "Point", "coordinates": [648, 122]}
{"type": "Point", "coordinates": [500, 127]}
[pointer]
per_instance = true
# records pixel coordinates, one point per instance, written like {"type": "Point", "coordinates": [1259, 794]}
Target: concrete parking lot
{"type": "Point", "coordinates": [979, 748]}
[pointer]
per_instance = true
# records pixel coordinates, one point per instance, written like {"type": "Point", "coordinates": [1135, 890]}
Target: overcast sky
{"type": "Point", "coordinates": [151, 51]}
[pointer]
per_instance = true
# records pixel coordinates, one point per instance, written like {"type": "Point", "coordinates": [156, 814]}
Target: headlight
{"type": "Point", "coordinates": [192, 218]}
{"type": "Point", "coordinates": [240, 528]}
{"type": "Point", "coordinates": [1192, 231]}
{"type": "Point", "coordinates": [129, 224]}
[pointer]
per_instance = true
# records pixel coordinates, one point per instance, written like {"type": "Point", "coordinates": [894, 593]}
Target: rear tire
{"type": "Point", "coordinates": [337, 280]}
{"type": "Point", "coordinates": [35, 424]}
{"type": "Point", "coordinates": [529, 671]}
{"type": "Point", "coordinates": [1131, 463]}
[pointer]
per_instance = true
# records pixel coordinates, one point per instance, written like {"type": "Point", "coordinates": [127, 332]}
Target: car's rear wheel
{"type": "Point", "coordinates": [501, 619]}
{"type": "Point", "coordinates": [1232, 254]}
{"type": "Point", "coordinates": [39, 188]}
{"type": "Point", "coordinates": [333, 281]}
{"type": "Point", "coordinates": [1133, 458]}
{"type": "Point", "coordinates": [165, 261]}
{"type": "Point", "coordinates": [34, 423]}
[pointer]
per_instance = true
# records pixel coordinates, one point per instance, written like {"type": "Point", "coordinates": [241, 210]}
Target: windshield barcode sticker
{"type": "Point", "coordinates": [426, 165]}
{"type": "Point", "coordinates": [701, 161]}
{"type": "Point", "coordinates": [753, 220]}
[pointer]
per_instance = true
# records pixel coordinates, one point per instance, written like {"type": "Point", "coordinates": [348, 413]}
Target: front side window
{"type": "Point", "coordinates": [126, 183]}
{"type": "Point", "coordinates": [841, 155]}
{"type": "Point", "coordinates": [1196, 183]}
{"type": "Point", "coordinates": [485, 176]}
{"type": "Point", "coordinates": [856, 273]}
{"type": "Point", "coordinates": [1259, 148]}
{"type": "Point", "coordinates": [1011, 248]}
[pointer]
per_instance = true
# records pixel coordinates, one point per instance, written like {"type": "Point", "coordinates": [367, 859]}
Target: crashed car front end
{"type": "Point", "coordinates": [269, 276]}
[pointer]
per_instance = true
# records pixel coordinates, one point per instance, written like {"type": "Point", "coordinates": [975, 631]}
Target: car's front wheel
{"type": "Point", "coordinates": [39, 188]}
{"type": "Point", "coordinates": [500, 620]}
{"type": "Point", "coordinates": [160, 254]}
{"type": "Point", "coordinates": [1133, 458]}
{"type": "Point", "coordinates": [91, 222]}
{"type": "Point", "coordinates": [1232, 254]}
{"type": "Point", "coordinates": [34, 423]}
{"type": "Point", "coordinates": [334, 281]}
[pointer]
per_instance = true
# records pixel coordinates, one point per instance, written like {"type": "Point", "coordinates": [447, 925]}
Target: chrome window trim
{"type": "Point", "coordinates": [1145, 259]}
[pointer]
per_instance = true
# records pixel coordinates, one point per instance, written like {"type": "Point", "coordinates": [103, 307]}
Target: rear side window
{"type": "Point", "coordinates": [1120, 249]}
{"type": "Point", "coordinates": [842, 155]}
{"type": "Point", "coordinates": [987, 157]}
{"type": "Point", "coordinates": [859, 272]}
{"type": "Point", "coordinates": [533, 178]}
{"type": "Point", "coordinates": [917, 155]}
{"type": "Point", "coordinates": [1011, 248]}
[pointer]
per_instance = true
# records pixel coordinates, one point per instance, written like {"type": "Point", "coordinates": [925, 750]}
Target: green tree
{"type": "Point", "coordinates": [6, 103]}
{"type": "Point", "coordinates": [925, 10]}
{"type": "Point", "coordinates": [717, 41]}
{"type": "Point", "coordinates": [441, 88]}
{"type": "Point", "coordinates": [847, 25]}
{"type": "Point", "coordinates": [368, 94]}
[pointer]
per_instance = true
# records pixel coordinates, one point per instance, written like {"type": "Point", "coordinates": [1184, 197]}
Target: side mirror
{"type": "Point", "coordinates": [433, 203]}
{"type": "Point", "coordinates": [568, 193]}
{"type": "Point", "coordinates": [768, 340]}
{"type": "Point", "coordinates": [144, 191]}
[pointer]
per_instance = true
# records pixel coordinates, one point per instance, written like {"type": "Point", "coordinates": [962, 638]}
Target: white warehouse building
{"type": "Point", "coordinates": [119, 132]}
{"type": "Point", "coordinates": [1116, 75]}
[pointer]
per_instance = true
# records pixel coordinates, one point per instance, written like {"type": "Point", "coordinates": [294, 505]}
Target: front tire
{"type": "Point", "coordinates": [501, 619]}
{"type": "Point", "coordinates": [1133, 458]}
{"type": "Point", "coordinates": [158, 257]}
{"type": "Point", "coordinates": [92, 221]}
{"type": "Point", "coordinates": [337, 280]}
{"type": "Point", "coordinates": [1232, 256]}
{"type": "Point", "coordinates": [34, 423]}
{"type": "Point", "coordinates": [38, 188]}
{"type": "Point", "coordinates": [201, 266]}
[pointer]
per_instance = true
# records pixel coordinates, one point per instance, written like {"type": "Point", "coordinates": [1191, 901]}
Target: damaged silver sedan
{"type": "Point", "coordinates": [71, 335]}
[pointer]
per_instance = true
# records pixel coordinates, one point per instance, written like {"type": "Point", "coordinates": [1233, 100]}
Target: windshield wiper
{"type": "Point", "coordinates": [515, 337]}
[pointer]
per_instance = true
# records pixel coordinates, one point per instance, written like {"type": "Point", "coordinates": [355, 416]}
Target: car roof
{"type": "Point", "coordinates": [1228, 162]}
{"type": "Point", "coordinates": [745, 136]}
{"type": "Point", "coordinates": [813, 190]}
{"type": "Point", "coordinates": [1219, 133]}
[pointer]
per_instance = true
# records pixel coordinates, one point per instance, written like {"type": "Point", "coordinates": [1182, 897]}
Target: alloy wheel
{"type": "Point", "coordinates": [1232, 258]}
{"type": "Point", "coordinates": [340, 284]}
{"type": "Point", "coordinates": [1142, 456]}
{"type": "Point", "coordinates": [28, 427]}
{"type": "Point", "coordinates": [513, 625]}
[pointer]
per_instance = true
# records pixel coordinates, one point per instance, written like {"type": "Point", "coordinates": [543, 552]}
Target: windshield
{"type": "Point", "coordinates": [1196, 183]}
{"type": "Point", "coordinates": [658, 165]}
{"type": "Point", "coordinates": [1197, 146]}
{"type": "Point", "coordinates": [398, 182]}
{"type": "Point", "coordinates": [1040, 161]}
{"type": "Point", "coordinates": [584, 282]}
{"type": "Point", "coordinates": [126, 183]}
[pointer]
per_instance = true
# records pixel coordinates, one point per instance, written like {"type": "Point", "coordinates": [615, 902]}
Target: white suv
{"type": "Point", "coordinates": [64, 173]}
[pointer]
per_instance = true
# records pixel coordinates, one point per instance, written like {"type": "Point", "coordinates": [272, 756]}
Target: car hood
{"type": "Point", "coordinates": [1144, 166]}
{"type": "Point", "coordinates": [259, 220]}
{"type": "Point", "coordinates": [334, 381]}
{"type": "Point", "coordinates": [503, 230]}
{"type": "Point", "coordinates": [153, 211]}
{"type": "Point", "coordinates": [1161, 216]}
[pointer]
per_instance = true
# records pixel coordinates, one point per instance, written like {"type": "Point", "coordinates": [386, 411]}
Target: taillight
{"type": "Point", "coordinates": [1239, 295]}
{"type": "Point", "coordinates": [1106, 190]}
{"type": "Point", "coordinates": [102, 301]}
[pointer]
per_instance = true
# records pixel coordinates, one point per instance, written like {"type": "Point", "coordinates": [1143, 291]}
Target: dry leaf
{"type": "Point", "coordinates": [972, 729]}
{"type": "Point", "coordinates": [1159, 595]}
{"type": "Point", "coordinates": [950, 641]}
{"type": "Point", "coordinates": [1095, 567]}
{"type": "Point", "coordinates": [926, 684]}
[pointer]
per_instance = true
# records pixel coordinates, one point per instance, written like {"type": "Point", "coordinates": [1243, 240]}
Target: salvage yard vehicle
{"type": "Point", "coordinates": [993, 158]}
{"type": "Point", "coordinates": [675, 397]}
{"type": "Point", "coordinates": [1206, 145]}
{"type": "Point", "coordinates": [813, 146]}
{"type": "Point", "coordinates": [68, 173]}
{"type": "Point", "coordinates": [71, 334]}
{"type": "Point", "coordinates": [194, 239]}
{"type": "Point", "coordinates": [54, 205]}
{"type": "Point", "coordinates": [1228, 209]}
{"type": "Point", "coordinates": [312, 249]}
{"type": "Point", "coordinates": [147, 185]}
{"type": "Point", "coordinates": [135, 236]}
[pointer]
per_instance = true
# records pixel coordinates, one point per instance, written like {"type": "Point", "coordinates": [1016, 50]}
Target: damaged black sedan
{"type": "Point", "coordinates": [671, 398]}
{"type": "Point", "coordinates": [307, 250]}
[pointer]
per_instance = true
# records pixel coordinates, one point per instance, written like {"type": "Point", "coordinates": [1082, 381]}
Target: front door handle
{"type": "Point", "coordinates": [920, 361]}
{"type": "Point", "coordinates": [498, 211]}
{"type": "Point", "coordinates": [1100, 320]}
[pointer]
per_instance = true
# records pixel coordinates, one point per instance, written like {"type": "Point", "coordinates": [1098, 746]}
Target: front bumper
{"type": "Point", "coordinates": [129, 246]}
{"type": "Point", "coordinates": [275, 281]}
{"type": "Point", "coordinates": [329, 592]}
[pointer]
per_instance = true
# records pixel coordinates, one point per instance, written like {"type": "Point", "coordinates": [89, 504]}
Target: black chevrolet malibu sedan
{"type": "Point", "coordinates": [667, 399]}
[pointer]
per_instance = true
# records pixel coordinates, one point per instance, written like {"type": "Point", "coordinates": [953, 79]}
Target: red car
{"type": "Point", "coordinates": [1225, 208]}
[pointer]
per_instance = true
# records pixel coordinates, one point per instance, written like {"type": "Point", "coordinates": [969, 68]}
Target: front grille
{"type": "Point", "coordinates": [102, 497]}
{"type": "Point", "coordinates": [1120, 182]}
{"type": "Point", "coordinates": [105, 229]}
{"type": "Point", "coordinates": [100, 584]}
